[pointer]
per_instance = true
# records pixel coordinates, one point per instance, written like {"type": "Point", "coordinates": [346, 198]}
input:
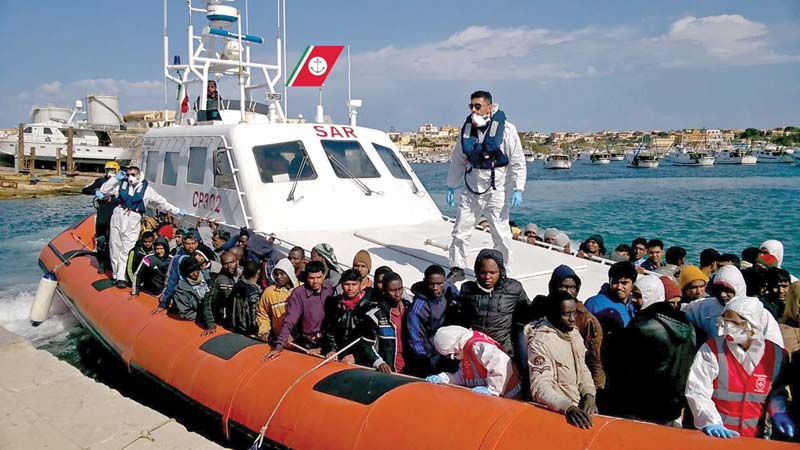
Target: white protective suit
{"type": "Point", "coordinates": [705, 368]}
{"type": "Point", "coordinates": [652, 290]}
{"type": "Point", "coordinates": [450, 340]}
{"type": "Point", "coordinates": [125, 224]}
{"type": "Point", "coordinates": [704, 313]}
{"type": "Point", "coordinates": [493, 205]}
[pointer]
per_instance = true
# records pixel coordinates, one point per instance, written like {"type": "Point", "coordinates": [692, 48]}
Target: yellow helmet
{"type": "Point", "coordinates": [112, 165]}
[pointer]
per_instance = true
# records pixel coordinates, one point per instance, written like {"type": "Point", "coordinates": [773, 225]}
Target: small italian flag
{"type": "Point", "coordinates": [314, 66]}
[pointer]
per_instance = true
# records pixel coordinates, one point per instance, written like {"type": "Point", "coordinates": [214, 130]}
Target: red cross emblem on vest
{"type": "Point", "coordinates": [761, 384]}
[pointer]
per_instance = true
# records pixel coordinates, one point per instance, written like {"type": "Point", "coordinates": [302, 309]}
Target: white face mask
{"type": "Point", "coordinates": [734, 334]}
{"type": "Point", "coordinates": [479, 120]}
{"type": "Point", "coordinates": [111, 173]}
{"type": "Point", "coordinates": [133, 180]}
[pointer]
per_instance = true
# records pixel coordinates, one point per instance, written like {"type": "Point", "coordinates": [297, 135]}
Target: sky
{"type": "Point", "coordinates": [570, 65]}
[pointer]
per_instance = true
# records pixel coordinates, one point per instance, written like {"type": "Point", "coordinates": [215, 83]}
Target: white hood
{"type": "Point", "coordinates": [652, 289]}
{"type": "Point", "coordinates": [750, 309]}
{"type": "Point", "coordinates": [775, 248]}
{"type": "Point", "coordinates": [730, 276]}
{"type": "Point", "coordinates": [285, 265]}
{"type": "Point", "coordinates": [450, 340]}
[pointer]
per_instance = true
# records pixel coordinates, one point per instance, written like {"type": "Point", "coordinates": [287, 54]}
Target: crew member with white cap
{"type": "Point", "coordinates": [132, 196]}
{"type": "Point", "coordinates": [488, 158]}
{"type": "Point", "coordinates": [735, 375]}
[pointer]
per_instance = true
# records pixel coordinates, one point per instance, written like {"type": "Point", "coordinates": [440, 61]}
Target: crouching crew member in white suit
{"type": "Point", "coordinates": [488, 157]}
{"type": "Point", "coordinates": [132, 195]}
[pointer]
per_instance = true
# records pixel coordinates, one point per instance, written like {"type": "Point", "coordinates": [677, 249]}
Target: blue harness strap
{"type": "Point", "coordinates": [486, 154]}
{"type": "Point", "coordinates": [133, 202]}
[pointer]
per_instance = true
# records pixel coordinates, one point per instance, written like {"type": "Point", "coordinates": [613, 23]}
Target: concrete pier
{"type": "Point", "coordinates": [46, 403]}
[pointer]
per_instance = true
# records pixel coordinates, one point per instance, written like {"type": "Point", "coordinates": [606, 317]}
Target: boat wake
{"type": "Point", "coordinates": [15, 304]}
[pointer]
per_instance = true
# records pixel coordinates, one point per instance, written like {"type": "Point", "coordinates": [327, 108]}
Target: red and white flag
{"type": "Point", "coordinates": [314, 66]}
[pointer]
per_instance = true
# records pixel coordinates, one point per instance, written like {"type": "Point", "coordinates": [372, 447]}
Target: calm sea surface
{"type": "Point", "coordinates": [725, 207]}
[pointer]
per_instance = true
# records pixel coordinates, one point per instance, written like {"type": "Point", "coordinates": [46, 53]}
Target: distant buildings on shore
{"type": "Point", "coordinates": [435, 143]}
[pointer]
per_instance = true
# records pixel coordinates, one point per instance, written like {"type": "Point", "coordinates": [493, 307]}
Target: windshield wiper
{"type": "Point", "coordinates": [349, 174]}
{"type": "Point", "coordinates": [290, 198]}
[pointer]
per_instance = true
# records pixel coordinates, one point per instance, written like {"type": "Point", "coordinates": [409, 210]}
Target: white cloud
{"type": "Point", "coordinates": [50, 88]}
{"type": "Point", "coordinates": [481, 53]}
{"type": "Point", "coordinates": [133, 94]}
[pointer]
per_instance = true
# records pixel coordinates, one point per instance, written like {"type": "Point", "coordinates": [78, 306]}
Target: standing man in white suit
{"type": "Point", "coordinates": [133, 195]}
{"type": "Point", "coordinates": [489, 159]}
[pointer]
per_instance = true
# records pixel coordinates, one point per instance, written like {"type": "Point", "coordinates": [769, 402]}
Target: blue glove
{"type": "Point", "coordinates": [451, 196]}
{"type": "Point", "coordinates": [720, 431]}
{"type": "Point", "coordinates": [182, 212]}
{"type": "Point", "coordinates": [783, 423]}
{"type": "Point", "coordinates": [435, 379]}
{"type": "Point", "coordinates": [481, 390]}
{"type": "Point", "coordinates": [121, 176]}
{"type": "Point", "coordinates": [516, 199]}
{"type": "Point", "coordinates": [99, 195]}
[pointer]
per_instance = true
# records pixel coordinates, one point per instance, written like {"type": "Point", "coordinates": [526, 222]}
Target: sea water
{"type": "Point", "coordinates": [726, 207]}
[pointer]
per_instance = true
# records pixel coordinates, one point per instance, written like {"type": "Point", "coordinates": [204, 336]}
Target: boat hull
{"type": "Point", "coordinates": [643, 164]}
{"type": "Point", "coordinates": [744, 160]}
{"type": "Point", "coordinates": [335, 406]}
{"type": "Point", "coordinates": [702, 162]}
{"type": "Point", "coordinates": [85, 154]}
{"type": "Point", "coordinates": [557, 165]}
{"type": "Point", "coordinates": [785, 159]}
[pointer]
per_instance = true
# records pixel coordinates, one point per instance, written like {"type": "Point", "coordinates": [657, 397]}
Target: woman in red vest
{"type": "Point", "coordinates": [735, 376]}
{"type": "Point", "coordinates": [485, 366]}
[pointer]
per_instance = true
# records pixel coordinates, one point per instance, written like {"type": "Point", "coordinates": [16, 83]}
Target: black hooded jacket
{"type": "Point", "coordinates": [647, 364]}
{"type": "Point", "coordinates": [496, 312]}
{"type": "Point", "coordinates": [151, 273]}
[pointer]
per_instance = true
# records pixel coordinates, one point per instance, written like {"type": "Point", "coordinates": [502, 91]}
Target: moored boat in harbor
{"type": "Point", "coordinates": [773, 155]}
{"type": "Point", "coordinates": [557, 161]}
{"type": "Point", "coordinates": [738, 154]}
{"type": "Point", "coordinates": [48, 133]}
{"type": "Point", "coordinates": [681, 156]}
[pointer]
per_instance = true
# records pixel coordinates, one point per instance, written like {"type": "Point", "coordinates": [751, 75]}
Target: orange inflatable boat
{"type": "Point", "coordinates": [335, 406]}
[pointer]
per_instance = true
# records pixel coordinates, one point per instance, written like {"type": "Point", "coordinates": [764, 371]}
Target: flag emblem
{"type": "Point", "coordinates": [314, 66]}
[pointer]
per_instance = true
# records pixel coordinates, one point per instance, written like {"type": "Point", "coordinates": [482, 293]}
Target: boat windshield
{"type": "Point", "coordinates": [392, 162]}
{"type": "Point", "coordinates": [281, 162]}
{"type": "Point", "coordinates": [349, 159]}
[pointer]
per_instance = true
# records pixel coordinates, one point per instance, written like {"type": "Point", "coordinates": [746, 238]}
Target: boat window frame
{"type": "Point", "coordinates": [192, 172]}
{"type": "Point", "coordinates": [344, 161]}
{"type": "Point", "coordinates": [149, 175]}
{"type": "Point", "coordinates": [290, 173]}
{"type": "Point", "coordinates": [223, 172]}
{"type": "Point", "coordinates": [176, 165]}
{"type": "Point", "coordinates": [394, 159]}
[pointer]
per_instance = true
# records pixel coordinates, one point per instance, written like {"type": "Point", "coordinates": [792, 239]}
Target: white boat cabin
{"type": "Point", "coordinates": [286, 177]}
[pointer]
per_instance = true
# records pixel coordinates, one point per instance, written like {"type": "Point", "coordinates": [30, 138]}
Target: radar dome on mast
{"type": "Point", "coordinates": [221, 16]}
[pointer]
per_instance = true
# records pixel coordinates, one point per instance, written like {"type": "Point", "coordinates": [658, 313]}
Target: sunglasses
{"type": "Point", "coordinates": [477, 106]}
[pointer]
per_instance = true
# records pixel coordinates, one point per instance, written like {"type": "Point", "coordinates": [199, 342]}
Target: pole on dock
{"type": "Point", "coordinates": [19, 160]}
{"type": "Point", "coordinates": [70, 161]}
{"type": "Point", "coordinates": [58, 161]}
{"type": "Point", "coordinates": [32, 163]}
